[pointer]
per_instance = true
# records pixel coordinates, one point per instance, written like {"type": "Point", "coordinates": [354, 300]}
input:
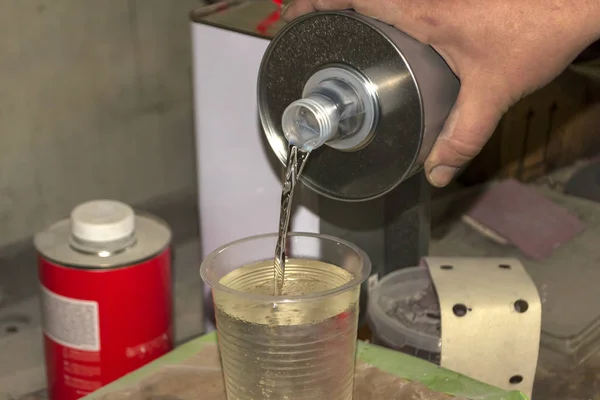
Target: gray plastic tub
{"type": "Point", "coordinates": [403, 314]}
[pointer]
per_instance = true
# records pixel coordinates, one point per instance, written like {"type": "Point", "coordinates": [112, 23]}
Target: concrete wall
{"type": "Point", "coordinates": [95, 102]}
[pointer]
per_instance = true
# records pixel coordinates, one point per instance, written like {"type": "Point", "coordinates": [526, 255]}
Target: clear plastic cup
{"type": "Point", "coordinates": [300, 345]}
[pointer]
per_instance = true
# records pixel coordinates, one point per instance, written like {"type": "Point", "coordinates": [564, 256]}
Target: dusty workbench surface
{"type": "Point", "coordinates": [401, 377]}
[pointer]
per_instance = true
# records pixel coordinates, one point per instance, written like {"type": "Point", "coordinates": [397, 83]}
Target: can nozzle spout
{"type": "Point", "coordinates": [337, 109]}
{"type": "Point", "coordinates": [310, 122]}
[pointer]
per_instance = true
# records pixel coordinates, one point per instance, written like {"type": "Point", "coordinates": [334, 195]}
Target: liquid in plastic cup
{"type": "Point", "coordinates": [300, 345]}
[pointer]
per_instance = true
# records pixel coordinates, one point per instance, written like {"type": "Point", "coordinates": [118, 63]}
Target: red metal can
{"type": "Point", "coordinates": [106, 293]}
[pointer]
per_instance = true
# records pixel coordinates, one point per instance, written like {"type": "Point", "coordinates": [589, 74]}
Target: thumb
{"type": "Point", "coordinates": [469, 126]}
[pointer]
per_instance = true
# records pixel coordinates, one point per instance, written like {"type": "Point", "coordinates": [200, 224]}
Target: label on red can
{"type": "Point", "coordinates": [70, 322]}
{"type": "Point", "coordinates": [100, 324]}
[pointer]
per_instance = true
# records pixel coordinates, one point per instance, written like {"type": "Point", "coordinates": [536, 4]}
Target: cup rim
{"type": "Point", "coordinates": [356, 281]}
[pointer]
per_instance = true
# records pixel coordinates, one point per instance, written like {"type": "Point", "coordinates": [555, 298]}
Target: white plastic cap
{"type": "Point", "coordinates": [102, 221]}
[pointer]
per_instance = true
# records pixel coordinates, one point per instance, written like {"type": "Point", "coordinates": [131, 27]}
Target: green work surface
{"type": "Point", "coordinates": [392, 362]}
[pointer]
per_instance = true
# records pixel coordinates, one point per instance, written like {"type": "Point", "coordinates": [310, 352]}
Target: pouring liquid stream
{"type": "Point", "coordinates": [295, 164]}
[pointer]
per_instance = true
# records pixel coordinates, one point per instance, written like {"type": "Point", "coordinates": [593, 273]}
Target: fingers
{"type": "Point", "coordinates": [411, 16]}
{"type": "Point", "coordinates": [301, 7]}
{"type": "Point", "coordinates": [469, 126]}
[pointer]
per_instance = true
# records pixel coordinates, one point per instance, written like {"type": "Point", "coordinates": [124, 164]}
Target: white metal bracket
{"type": "Point", "coordinates": [491, 319]}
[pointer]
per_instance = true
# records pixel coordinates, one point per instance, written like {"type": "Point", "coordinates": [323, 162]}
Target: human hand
{"type": "Point", "coordinates": [501, 50]}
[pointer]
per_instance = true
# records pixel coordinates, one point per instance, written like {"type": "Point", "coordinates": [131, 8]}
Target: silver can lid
{"type": "Point", "coordinates": [103, 222]}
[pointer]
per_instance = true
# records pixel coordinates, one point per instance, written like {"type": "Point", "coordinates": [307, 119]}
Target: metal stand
{"type": "Point", "coordinates": [393, 230]}
{"type": "Point", "coordinates": [407, 224]}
